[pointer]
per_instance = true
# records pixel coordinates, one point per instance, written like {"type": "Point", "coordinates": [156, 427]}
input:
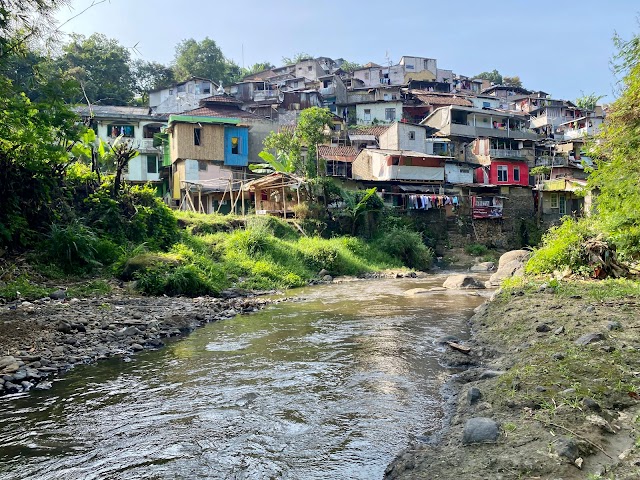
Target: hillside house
{"type": "Point", "coordinates": [135, 125]}
{"type": "Point", "coordinates": [182, 96]}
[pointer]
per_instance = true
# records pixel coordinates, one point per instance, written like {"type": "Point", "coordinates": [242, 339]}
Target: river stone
{"type": "Point", "coordinates": [509, 265]}
{"type": "Point", "coordinates": [14, 367]}
{"type": "Point", "coordinates": [589, 338]}
{"type": "Point", "coordinates": [327, 278]}
{"type": "Point", "coordinates": [542, 328]}
{"type": "Point", "coordinates": [567, 447]}
{"type": "Point", "coordinates": [416, 291]}
{"type": "Point", "coordinates": [473, 395]}
{"type": "Point", "coordinates": [64, 327]}
{"type": "Point", "coordinates": [44, 386]}
{"type": "Point", "coordinates": [457, 282]}
{"type": "Point", "coordinates": [136, 347]}
{"type": "Point", "coordinates": [483, 267]}
{"type": "Point", "coordinates": [20, 375]}
{"type": "Point", "coordinates": [614, 325]}
{"type": "Point", "coordinates": [6, 361]}
{"type": "Point", "coordinates": [480, 430]}
{"type": "Point", "coordinates": [58, 295]}
{"type": "Point", "coordinates": [11, 387]}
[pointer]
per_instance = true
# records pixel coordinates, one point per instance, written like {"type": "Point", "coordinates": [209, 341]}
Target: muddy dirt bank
{"type": "Point", "coordinates": [548, 392]}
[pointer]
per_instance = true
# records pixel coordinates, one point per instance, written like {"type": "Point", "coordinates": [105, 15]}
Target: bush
{"type": "Point", "coordinates": [407, 246]}
{"type": "Point", "coordinates": [318, 254]}
{"type": "Point", "coordinates": [562, 248]}
{"type": "Point", "coordinates": [74, 247]}
{"type": "Point", "coordinates": [476, 249]}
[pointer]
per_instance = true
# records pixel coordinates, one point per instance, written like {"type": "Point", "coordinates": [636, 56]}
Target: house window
{"type": "Point", "coordinates": [554, 200]}
{"type": "Point", "coordinates": [486, 105]}
{"type": "Point", "coordinates": [310, 67]}
{"type": "Point", "coordinates": [197, 136]}
{"type": "Point", "coordinates": [114, 131]}
{"type": "Point", "coordinates": [152, 164]}
{"type": "Point", "coordinates": [181, 88]}
{"type": "Point", "coordinates": [206, 87]}
{"type": "Point", "coordinates": [386, 96]}
{"type": "Point", "coordinates": [439, 148]}
{"type": "Point", "coordinates": [367, 114]}
{"type": "Point", "coordinates": [426, 64]}
{"type": "Point", "coordinates": [202, 165]}
{"type": "Point", "coordinates": [412, 135]}
{"type": "Point", "coordinates": [516, 174]}
{"type": "Point", "coordinates": [390, 114]}
{"type": "Point", "coordinates": [235, 146]}
{"type": "Point", "coordinates": [562, 204]}
{"type": "Point", "coordinates": [295, 84]}
{"type": "Point", "coordinates": [503, 173]}
{"type": "Point", "coordinates": [366, 75]}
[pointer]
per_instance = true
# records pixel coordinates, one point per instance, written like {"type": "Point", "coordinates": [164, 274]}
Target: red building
{"type": "Point", "coordinates": [503, 172]}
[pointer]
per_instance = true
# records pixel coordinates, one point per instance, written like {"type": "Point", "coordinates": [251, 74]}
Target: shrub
{"type": "Point", "coordinates": [561, 247]}
{"type": "Point", "coordinates": [476, 249]}
{"type": "Point", "coordinates": [74, 247]}
{"type": "Point", "coordinates": [407, 246]}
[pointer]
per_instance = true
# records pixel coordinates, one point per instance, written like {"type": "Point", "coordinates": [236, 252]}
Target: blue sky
{"type": "Point", "coordinates": [561, 47]}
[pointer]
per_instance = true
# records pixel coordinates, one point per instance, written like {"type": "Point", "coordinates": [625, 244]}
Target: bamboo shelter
{"type": "Point", "coordinates": [277, 194]}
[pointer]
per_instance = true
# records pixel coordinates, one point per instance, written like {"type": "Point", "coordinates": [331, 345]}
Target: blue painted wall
{"type": "Point", "coordinates": [241, 159]}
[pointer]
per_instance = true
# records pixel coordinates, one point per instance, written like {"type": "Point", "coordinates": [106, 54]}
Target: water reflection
{"type": "Point", "coordinates": [329, 387]}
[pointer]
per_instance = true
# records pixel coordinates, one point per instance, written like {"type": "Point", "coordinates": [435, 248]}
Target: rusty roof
{"type": "Point", "coordinates": [220, 99]}
{"type": "Point", "coordinates": [440, 99]}
{"type": "Point", "coordinates": [375, 130]}
{"type": "Point", "coordinates": [340, 154]}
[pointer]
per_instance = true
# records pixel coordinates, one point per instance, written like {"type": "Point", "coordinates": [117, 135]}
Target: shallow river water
{"type": "Point", "coordinates": [331, 386]}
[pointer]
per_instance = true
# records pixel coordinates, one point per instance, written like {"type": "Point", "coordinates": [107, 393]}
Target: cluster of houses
{"type": "Point", "coordinates": [454, 149]}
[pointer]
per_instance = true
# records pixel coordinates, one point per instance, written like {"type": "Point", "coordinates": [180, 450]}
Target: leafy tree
{"type": "Point", "coordinates": [150, 76]}
{"type": "Point", "coordinates": [298, 57]}
{"type": "Point", "coordinates": [102, 68]}
{"type": "Point", "coordinates": [493, 76]}
{"type": "Point", "coordinates": [258, 67]}
{"type": "Point", "coordinates": [310, 130]}
{"type": "Point", "coordinates": [512, 81]}
{"type": "Point", "coordinates": [588, 102]}
{"type": "Point", "coordinates": [349, 66]}
{"type": "Point", "coordinates": [286, 157]}
{"type": "Point", "coordinates": [121, 152]}
{"type": "Point", "coordinates": [204, 59]}
{"type": "Point", "coordinates": [618, 152]}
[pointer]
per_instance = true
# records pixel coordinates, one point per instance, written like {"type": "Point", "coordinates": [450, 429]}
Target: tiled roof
{"type": "Point", "coordinates": [432, 98]}
{"type": "Point", "coordinates": [220, 99]}
{"type": "Point", "coordinates": [341, 154]}
{"type": "Point", "coordinates": [222, 112]}
{"type": "Point", "coordinates": [375, 130]}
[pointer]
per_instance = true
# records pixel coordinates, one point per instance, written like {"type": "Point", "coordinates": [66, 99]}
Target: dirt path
{"type": "Point", "coordinates": [552, 380]}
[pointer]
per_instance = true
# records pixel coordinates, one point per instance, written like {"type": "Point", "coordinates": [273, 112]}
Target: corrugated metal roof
{"type": "Point", "coordinates": [222, 111]}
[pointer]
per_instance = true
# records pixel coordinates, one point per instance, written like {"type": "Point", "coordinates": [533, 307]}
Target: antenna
{"type": "Point", "coordinates": [243, 56]}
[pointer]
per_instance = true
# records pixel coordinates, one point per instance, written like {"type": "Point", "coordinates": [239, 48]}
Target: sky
{"type": "Point", "coordinates": [563, 48]}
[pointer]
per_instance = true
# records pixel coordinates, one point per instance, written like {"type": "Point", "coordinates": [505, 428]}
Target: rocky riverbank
{"type": "Point", "coordinates": [549, 391]}
{"type": "Point", "coordinates": [47, 337]}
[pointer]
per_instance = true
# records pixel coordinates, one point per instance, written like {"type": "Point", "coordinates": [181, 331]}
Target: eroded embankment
{"type": "Point", "coordinates": [549, 393]}
{"type": "Point", "coordinates": [46, 337]}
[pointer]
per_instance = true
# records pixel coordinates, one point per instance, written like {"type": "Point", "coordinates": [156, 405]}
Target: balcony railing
{"type": "Point", "coordinates": [546, 161]}
{"type": "Point", "coordinates": [504, 153]}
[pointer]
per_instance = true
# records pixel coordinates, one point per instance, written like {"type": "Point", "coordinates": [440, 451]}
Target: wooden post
{"type": "Point", "coordinates": [200, 208]}
{"type": "Point", "coordinates": [242, 190]}
{"type": "Point", "coordinates": [231, 196]}
{"type": "Point", "coordinates": [284, 203]}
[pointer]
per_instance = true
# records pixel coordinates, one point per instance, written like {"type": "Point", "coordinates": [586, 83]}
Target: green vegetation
{"type": "Point", "coordinates": [476, 249]}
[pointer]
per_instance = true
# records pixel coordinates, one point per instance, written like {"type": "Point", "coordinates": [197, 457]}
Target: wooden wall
{"type": "Point", "coordinates": [211, 142]}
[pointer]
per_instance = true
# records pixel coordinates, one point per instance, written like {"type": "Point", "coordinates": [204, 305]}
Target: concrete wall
{"type": "Point", "coordinates": [377, 112]}
{"type": "Point", "coordinates": [456, 173]}
{"type": "Point", "coordinates": [398, 137]}
{"type": "Point", "coordinates": [169, 100]}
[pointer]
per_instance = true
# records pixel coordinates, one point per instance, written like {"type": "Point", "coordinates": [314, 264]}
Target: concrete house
{"type": "Point", "coordinates": [398, 166]}
{"type": "Point", "coordinates": [135, 125]}
{"type": "Point", "coordinates": [182, 96]}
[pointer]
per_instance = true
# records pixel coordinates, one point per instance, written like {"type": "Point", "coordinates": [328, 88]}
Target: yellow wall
{"type": "Point", "coordinates": [424, 75]}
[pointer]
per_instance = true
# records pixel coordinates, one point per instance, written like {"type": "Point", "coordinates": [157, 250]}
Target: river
{"type": "Point", "coordinates": [329, 386]}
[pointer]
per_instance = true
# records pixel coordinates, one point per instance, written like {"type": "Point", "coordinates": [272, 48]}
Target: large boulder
{"type": "Point", "coordinates": [459, 282]}
{"type": "Point", "coordinates": [483, 267]}
{"type": "Point", "coordinates": [511, 264]}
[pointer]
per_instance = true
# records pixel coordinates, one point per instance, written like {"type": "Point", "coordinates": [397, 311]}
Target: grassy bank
{"type": "Point", "coordinates": [180, 253]}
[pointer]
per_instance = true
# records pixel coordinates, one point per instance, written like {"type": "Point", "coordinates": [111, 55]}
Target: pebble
{"type": "Point", "coordinates": [589, 338]}
{"type": "Point", "coordinates": [480, 430]}
{"type": "Point", "coordinates": [543, 327]}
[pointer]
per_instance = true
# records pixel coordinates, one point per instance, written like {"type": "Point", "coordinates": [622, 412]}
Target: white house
{"type": "Point", "coordinates": [182, 96]}
{"type": "Point", "coordinates": [136, 125]}
{"type": "Point", "coordinates": [378, 112]}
